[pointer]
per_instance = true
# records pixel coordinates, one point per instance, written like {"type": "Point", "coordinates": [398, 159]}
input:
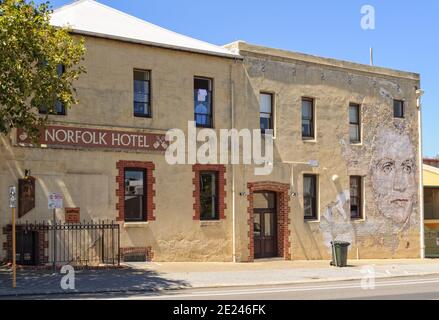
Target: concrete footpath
{"type": "Point", "coordinates": [152, 276]}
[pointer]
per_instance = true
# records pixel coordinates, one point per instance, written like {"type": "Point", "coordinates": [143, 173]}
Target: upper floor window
{"type": "Point", "coordinates": [135, 192]}
{"type": "Point", "coordinates": [60, 108]}
{"type": "Point", "coordinates": [398, 108]}
{"type": "Point", "coordinates": [310, 197]}
{"type": "Point", "coordinates": [209, 195]}
{"type": "Point", "coordinates": [356, 197]}
{"type": "Point", "coordinates": [142, 95]}
{"type": "Point", "coordinates": [308, 118]}
{"type": "Point", "coordinates": [203, 102]}
{"type": "Point", "coordinates": [266, 111]}
{"type": "Point", "coordinates": [354, 123]}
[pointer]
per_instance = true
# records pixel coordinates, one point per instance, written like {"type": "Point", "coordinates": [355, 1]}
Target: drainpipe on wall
{"type": "Point", "coordinates": [232, 105]}
{"type": "Point", "coordinates": [419, 94]}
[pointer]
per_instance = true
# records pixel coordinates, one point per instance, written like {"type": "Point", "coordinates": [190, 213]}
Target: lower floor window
{"type": "Point", "coordinates": [209, 195]}
{"type": "Point", "coordinates": [310, 197]}
{"type": "Point", "coordinates": [355, 197]}
{"type": "Point", "coordinates": [135, 204]}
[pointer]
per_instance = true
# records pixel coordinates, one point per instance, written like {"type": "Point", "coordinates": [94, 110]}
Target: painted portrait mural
{"type": "Point", "coordinates": [388, 160]}
{"type": "Point", "coordinates": [393, 170]}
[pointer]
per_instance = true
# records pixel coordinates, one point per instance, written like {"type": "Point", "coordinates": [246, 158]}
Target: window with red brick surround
{"type": "Point", "coordinates": [221, 170]}
{"type": "Point", "coordinates": [150, 192]}
{"type": "Point", "coordinates": [282, 214]}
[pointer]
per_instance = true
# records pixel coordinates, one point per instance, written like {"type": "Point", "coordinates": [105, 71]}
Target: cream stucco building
{"type": "Point", "coordinates": [346, 162]}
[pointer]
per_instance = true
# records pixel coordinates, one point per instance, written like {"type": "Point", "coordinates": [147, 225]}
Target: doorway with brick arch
{"type": "Point", "coordinates": [268, 211]}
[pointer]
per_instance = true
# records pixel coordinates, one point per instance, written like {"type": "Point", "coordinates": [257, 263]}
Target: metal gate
{"type": "Point", "coordinates": [78, 244]}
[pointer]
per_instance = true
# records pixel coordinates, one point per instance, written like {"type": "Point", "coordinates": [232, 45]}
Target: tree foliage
{"type": "Point", "coordinates": [31, 49]}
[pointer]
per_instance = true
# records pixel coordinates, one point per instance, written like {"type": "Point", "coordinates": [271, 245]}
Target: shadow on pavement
{"type": "Point", "coordinates": [41, 282]}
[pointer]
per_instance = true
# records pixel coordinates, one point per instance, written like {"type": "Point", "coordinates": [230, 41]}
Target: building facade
{"type": "Point", "coordinates": [345, 165]}
{"type": "Point", "coordinates": [431, 207]}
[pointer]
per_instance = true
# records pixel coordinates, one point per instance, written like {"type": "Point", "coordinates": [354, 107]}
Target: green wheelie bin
{"type": "Point", "coordinates": [339, 253]}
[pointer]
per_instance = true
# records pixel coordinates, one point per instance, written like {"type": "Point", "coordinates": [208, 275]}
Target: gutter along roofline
{"type": "Point", "coordinates": [154, 44]}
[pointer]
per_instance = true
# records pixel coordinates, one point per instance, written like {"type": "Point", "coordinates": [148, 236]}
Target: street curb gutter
{"type": "Point", "coordinates": [219, 285]}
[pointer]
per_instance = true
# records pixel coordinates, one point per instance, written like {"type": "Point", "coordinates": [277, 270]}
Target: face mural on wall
{"type": "Point", "coordinates": [393, 170]}
{"type": "Point", "coordinates": [391, 162]}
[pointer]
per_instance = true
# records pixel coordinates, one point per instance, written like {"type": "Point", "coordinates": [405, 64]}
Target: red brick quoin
{"type": "Point", "coordinates": [150, 192]}
{"type": "Point", "coordinates": [221, 169]}
{"type": "Point", "coordinates": [283, 210]}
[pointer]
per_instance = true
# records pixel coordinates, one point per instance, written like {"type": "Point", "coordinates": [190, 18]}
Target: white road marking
{"type": "Point", "coordinates": [278, 290]}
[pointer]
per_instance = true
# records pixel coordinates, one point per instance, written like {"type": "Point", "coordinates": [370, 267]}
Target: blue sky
{"type": "Point", "coordinates": [405, 37]}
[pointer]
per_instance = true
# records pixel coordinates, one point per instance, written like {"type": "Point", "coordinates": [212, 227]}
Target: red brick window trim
{"type": "Point", "coordinates": [150, 182]}
{"type": "Point", "coordinates": [221, 171]}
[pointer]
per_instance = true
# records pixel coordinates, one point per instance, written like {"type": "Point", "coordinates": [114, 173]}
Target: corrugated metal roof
{"type": "Point", "coordinates": [92, 18]}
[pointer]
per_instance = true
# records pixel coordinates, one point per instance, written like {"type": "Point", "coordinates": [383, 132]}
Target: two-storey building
{"type": "Point", "coordinates": [345, 165]}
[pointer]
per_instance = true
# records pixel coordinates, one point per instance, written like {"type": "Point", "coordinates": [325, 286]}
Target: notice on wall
{"type": "Point", "coordinates": [55, 200]}
{"type": "Point", "coordinates": [74, 137]}
{"type": "Point", "coordinates": [72, 215]}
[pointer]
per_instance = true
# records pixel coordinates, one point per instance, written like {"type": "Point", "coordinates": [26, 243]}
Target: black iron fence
{"type": "Point", "coordinates": [77, 244]}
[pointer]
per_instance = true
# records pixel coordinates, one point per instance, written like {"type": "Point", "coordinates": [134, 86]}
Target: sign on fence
{"type": "Point", "coordinates": [55, 201]}
{"type": "Point", "coordinates": [12, 197]}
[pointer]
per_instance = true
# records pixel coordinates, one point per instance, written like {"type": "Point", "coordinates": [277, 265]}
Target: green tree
{"type": "Point", "coordinates": [31, 51]}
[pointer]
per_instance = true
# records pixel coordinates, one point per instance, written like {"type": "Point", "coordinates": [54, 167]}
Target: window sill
{"type": "Point", "coordinates": [359, 144]}
{"type": "Point", "coordinates": [140, 224]}
{"type": "Point", "coordinates": [359, 220]}
{"type": "Point", "coordinates": [53, 114]}
{"type": "Point", "coordinates": [142, 116]}
{"type": "Point", "coordinates": [312, 221]}
{"type": "Point", "coordinates": [310, 140]}
{"type": "Point", "coordinates": [205, 223]}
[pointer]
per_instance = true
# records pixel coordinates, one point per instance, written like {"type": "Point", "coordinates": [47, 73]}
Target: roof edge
{"type": "Point", "coordinates": [145, 42]}
{"type": "Point", "coordinates": [243, 47]}
{"type": "Point", "coordinates": [155, 44]}
{"type": "Point", "coordinates": [430, 168]}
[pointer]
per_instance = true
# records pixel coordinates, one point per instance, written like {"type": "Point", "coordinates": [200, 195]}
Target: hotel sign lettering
{"type": "Point", "coordinates": [96, 138]}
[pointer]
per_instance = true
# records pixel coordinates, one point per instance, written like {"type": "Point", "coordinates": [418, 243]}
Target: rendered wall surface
{"type": "Point", "coordinates": [87, 177]}
{"type": "Point", "coordinates": [387, 157]}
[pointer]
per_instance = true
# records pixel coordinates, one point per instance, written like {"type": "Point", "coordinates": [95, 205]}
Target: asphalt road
{"type": "Point", "coordinates": [403, 288]}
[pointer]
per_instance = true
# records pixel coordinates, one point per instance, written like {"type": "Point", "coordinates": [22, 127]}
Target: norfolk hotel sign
{"type": "Point", "coordinates": [75, 137]}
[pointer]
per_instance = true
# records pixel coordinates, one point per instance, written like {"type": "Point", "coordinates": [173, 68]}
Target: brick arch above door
{"type": "Point", "coordinates": [283, 220]}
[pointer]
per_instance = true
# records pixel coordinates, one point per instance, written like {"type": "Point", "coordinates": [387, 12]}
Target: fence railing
{"type": "Point", "coordinates": [79, 244]}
